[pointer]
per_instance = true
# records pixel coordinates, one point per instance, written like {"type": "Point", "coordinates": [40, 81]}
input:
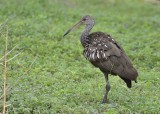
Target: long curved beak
{"type": "Point", "coordinates": [75, 26]}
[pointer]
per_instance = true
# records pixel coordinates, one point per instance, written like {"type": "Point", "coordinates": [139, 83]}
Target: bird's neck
{"type": "Point", "coordinates": [85, 33]}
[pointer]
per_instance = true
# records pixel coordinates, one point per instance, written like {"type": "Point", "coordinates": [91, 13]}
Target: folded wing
{"type": "Point", "coordinates": [106, 54]}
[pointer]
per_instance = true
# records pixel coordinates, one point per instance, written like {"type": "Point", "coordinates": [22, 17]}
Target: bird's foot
{"type": "Point", "coordinates": [104, 101]}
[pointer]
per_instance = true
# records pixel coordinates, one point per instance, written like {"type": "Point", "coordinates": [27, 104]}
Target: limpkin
{"type": "Point", "coordinates": [106, 54]}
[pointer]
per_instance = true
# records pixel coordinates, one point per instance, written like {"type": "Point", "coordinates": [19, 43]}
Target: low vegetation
{"type": "Point", "coordinates": [50, 75]}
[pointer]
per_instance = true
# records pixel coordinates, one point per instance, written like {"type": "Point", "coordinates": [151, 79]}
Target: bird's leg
{"type": "Point", "coordinates": [107, 88]}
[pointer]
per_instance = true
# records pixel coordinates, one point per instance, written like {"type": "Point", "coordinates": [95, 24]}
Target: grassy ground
{"type": "Point", "coordinates": [60, 79]}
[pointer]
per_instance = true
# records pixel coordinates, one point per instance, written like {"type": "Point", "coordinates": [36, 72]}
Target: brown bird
{"type": "Point", "coordinates": [106, 54]}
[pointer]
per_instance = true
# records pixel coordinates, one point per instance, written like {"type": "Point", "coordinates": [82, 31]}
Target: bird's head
{"type": "Point", "coordinates": [86, 20]}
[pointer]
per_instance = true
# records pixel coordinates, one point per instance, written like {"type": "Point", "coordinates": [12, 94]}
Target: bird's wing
{"type": "Point", "coordinates": [101, 46]}
{"type": "Point", "coordinates": [104, 52]}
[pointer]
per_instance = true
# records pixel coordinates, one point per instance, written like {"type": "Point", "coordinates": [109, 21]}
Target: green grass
{"type": "Point", "coordinates": [61, 80]}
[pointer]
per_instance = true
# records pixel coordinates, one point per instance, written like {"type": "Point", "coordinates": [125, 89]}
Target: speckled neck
{"type": "Point", "coordinates": [85, 33]}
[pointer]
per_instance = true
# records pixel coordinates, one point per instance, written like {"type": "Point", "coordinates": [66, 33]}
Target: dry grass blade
{"type": "Point", "coordinates": [29, 68]}
{"type": "Point", "coordinates": [9, 52]}
{"type": "Point", "coordinates": [5, 73]}
{"type": "Point", "coordinates": [13, 57]}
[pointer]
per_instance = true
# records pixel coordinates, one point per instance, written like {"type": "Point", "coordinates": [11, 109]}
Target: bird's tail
{"type": "Point", "coordinates": [128, 82]}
